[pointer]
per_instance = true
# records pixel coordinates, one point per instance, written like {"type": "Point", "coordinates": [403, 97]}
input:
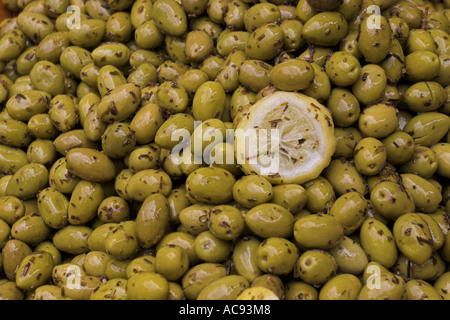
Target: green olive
{"type": "Point", "coordinates": [12, 159]}
{"type": "Point", "coordinates": [72, 239]}
{"type": "Point", "coordinates": [209, 248]}
{"type": "Point", "coordinates": [35, 25]}
{"type": "Point", "coordinates": [370, 85]}
{"type": "Point", "coordinates": [265, 42]}
{"type": "Point", "coordinates": [228, 75]}
{"type": "Point", "coordinates": [378, 242]}
{"type": "Point", "coordinates": [350, 256]}
{"type": "Point", "coordinates": [121, 242]}
{"type": "Point", "coordinates": [341, 287]}
{"type": "Point", "coordinates": [427, 128]}
{"type": "Point", "coordinates": [90, 164]}
{"type": "Point", "coordinates": [84, 201]}
{"type": "Point", "coordinates": [119, 103]}
{"type": "Point", "coordinates": [169, 17]}
{"type": "Point", "coordinates": [63, 112]}
{"type": "Point", "coordinates": [202, 185]}
{"type": "Point", "coordinates": [34, 270]}
{"type": "Point", "coordinates": [413, 238]}
{"type": "Point", "coordinates": [384, 286]}
{"type": "Point", "coordinates": [270, 220]}
{"type": "Point", "coordinates": [378, 120]}
{"type": "Point", "coordinates": [226, 288]}
{"type": "Point", "coordinates": [152, 220]}
{"type": "Point", "coordinates": [370, 156]}
{"type": "Point", "coordinates": [28, 181]}
{"type": "Point", "coordinates": [391, 200]}
{"type": "Point", "coordinates": [425, 195]}
{"type": "Point", "coordinates": [147, 182]}
{"type": "Point", "coordinates": [209, 101]}
{"type": "Point", "coordinates": [320, 195]}
{"type": "Point", "coordinates": [276, 255]}
{"type": "Point", "coordinates": [344, 177]}
{"type": "Point", "coordinates": [199, 276]}
{"type": "Point", "coordinates": [53, 205]}
{"type": "Point", "coordinates": [13, 253]}
{"type": "Point", "coordinates": [147, 286]}
{"type": "Point", "coordinates": [344, 107]}
{"type": "Point", "coordinates": [244, 258]}
{"type": "Point", "coordinates": [350, 209]}
{"type": "Point", "coordinates": [292, 74]}
{"type": "Point", "coordinates": [315, 267]}
{"type": "Point", "coordinates": [374, 41]}
{"type": "Point", "coordinates": [325, 29]}
{"type": "Point", "coordinates": [400, 148]}
{"type": "Point", "coordinates": [226, 222]}
{"type": "Point", "coordinates": [308, 228]}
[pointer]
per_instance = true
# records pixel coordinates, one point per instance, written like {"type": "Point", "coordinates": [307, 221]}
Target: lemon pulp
{"type": "Point", "coordinates": [293, 130]}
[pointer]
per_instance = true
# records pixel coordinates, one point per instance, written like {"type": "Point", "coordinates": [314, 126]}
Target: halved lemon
{"type": "Point", "coordinates": [287, 137]}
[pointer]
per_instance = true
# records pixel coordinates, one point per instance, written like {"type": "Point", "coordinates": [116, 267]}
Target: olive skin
{"type": "Point", "coordinates": [152, 220]}
{"type": "Point", "coordinates": [325, 29]}
{"type": "Point", "coordinates": [270, 220]}
{"type": "Point", "coordinates": [200, 185]}
{"type": "Point", "coordinates": [147, 286]}
{"type": "Point", "coordinates": [378, 242]}
{"type": "Point", "coordinates": [90, 164]}
{"type": "Point", "coordinates": [413, 237]}
{"type": "Point", "coordinates": [32, 274]}
{"type": "Point", "coordinates": [374, 43]}
{"type": "Point", "coordinates": [292, 74]}
{"type": "Point", "coordinates": [307, 228]}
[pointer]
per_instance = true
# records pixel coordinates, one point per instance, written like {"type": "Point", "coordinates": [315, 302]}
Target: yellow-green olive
{"type": "Point", "coordinates": [315, 267]}
{"type": "Point", "coordinates": [292, 74]}
{"type": "Point", "coordinates": [244, 258]}
{"type": "Point", "coordinates": [341, 287]}
{"type": "Point", "coordinates": [119, 103]}
{"type": "Point", "coordinates": [34, 270]}
{"type": "Point", "coordinates": [370, 156]}
{"type": "Point", "coordinates": [169, 17]}
{"type": "Point", "coordinates": [378, 120]}
{"type": "Point", "coordinates": [199, 276]}
{"type": "Point", "coordinates": [90, 164]}
{"type": "Point", "coordinates": [270, 220]}
{"type": "Point", "coordinates": [370, 85]}
{"type": "Point", "coordinates": [391, 200]}
{"type": "Point", "coordinates": [351, 210]}
{"type": "Point", "coordinates": [147, 182]}
{"type": "Point", "coordinates": [152, 220]}
{"type": "Point", "coordinates": [307, 228]}
{"type": "Point", "coordinates": [210, 185]}
{"type": "Point", "coordinates": [425, 195]}
{"type": "Point", "coordinates": [427, 128]}
{"type": "Point", "coordinates": [276, 255]}
{"type": "Point", "coordinates": [265, 42]}
{"type": "Point", "coordinates": [413, 237]}
{"type": "Point", "coordinates": [28, 181]}
{"type": "Point", "coordinates": [53, 205]}
{"type": "Point", "coordinates": [72, 239]}
{"type": "Point", "coordinates": [425, 96]}
{"type": "Point", "coordinates": [60, 178]}
{"type": "Point", "coordinates": [378, 242]}
{"type": "Point", "coordinates": [84, 201]}
{"type": "Point", "coordinates": [345, 177]}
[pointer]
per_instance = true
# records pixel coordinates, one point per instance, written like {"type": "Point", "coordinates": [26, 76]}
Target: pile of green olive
{"type": "Point", "coordinates": [93, 205]}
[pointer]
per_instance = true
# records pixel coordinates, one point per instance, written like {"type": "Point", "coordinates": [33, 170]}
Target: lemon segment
{"type": "Point", "coordinates": [286, 137]}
